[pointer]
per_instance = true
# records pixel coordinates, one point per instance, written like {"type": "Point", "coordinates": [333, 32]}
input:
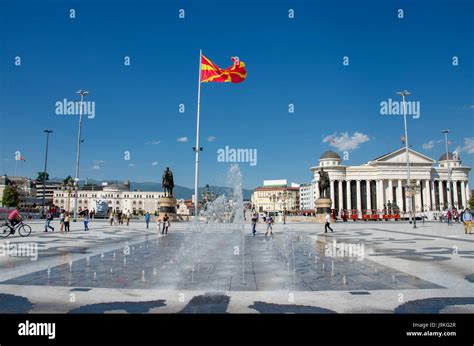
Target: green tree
{"type": "Point", "coordinates": [471, 200]}
{"type": "Point", "coordinates": [10, 197]}
{"type": "Point", "coordinates": [43, 176]}
{"type": "Point", "coordinates": [68, 181]}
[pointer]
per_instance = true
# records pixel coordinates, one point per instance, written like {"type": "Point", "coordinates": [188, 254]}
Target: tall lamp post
{"type": "Point", "coordinates": [448, 188]}
{"type": "Point", "coordinates": [409, 186]}
{"type": "Point", "coordinates": [45, 168]}
{"type": "Point", "coordinates": [82, 93]}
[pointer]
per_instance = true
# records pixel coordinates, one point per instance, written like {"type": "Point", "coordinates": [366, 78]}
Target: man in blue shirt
{"type": "Point", "coordinates": [467, 220]}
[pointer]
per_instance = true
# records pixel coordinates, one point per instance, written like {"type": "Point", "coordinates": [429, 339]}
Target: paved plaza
{"type": "Point", "coordinates": [368, 267]}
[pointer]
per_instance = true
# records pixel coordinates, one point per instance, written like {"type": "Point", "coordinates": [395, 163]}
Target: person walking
{"type": "Point", "coordinates": [129, 216]}
{"type": "Point", "coordinates": [49, 218]}
{"type": "Point", "coordinates": [449, 215]}
{"type": "Point", "coordinates": [166, 224]}
{"type": "Point", "coordinates": [67, 219]}
{"type": "Point", "coordinates": [125, 218]}
{"type": "Point", "coordinates": [269, 222]}
{"type": "Point", "coordinates": [61, 221]}
{"type": "Point", "coordinates": [147, 219]}
{"type": "Point", "coordinates": [111, 219]}
{"type": "Point", "coordinates": [254, 223]}
{"type": "Point", "coordinates": [86, 221]}
{"type": "Point", "coordinates": [158, 224]}
{"type": "Point", "coordinates": [467, 220]}
{"type": "Point", "coordinates": [328, 223]}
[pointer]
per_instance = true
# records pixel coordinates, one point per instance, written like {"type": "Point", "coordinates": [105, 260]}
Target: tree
{"type": "Point", "coordinates": [43, 176]}
{"type": "Point", "coordinates": [10, 197]}
{"type": "Point", "coordinates": [471, 200]}
{"type": "Point", "coordinates": [68, 182]}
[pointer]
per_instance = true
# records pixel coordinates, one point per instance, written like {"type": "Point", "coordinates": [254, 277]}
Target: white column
{"type": "Point", "coordinates": [369, 205]}
{"type": "Point", "coordinates": [433, 195]}
{"type": "Point", "coordinates": [441, 197]}
{"type": "Point", "coordinates": [418, 198]}
{"type": "Point", "coordinates": [400, 195]}
{"type": "Point", "coordinates": [358, 196]}
{"type": "Point", "coordinates": [449, 202]}
{"type": "Point", "coordinates": [331, 195]}
{"type": "Point", "coordinates": [348, 194]}
{"type": "Point", "coordinates": [340, 197]}
{"type": "Point", "coordinates": [390, 191]}
{"type": "Point", "coordinates": [426, 195]}
{"type": "Point", "coordinates": [379, 192]}
{"type": "Point", "coordinates": [455, 193]}
{"type": "Point", "coordinates": [463, 194]}
{"type": "Point", "coordinates": [468, 194]}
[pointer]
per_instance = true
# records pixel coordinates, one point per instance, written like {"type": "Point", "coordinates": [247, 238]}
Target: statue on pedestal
{"type": "Point", "coordinates": [168, 182]}
{"type": "Point", "coordinates": [324, 184]}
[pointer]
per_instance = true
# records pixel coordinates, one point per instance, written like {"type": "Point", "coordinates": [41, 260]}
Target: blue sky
{"type": "Point", "coordinates": [298, 61]}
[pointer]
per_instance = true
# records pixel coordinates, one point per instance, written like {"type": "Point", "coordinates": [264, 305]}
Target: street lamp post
{"type": "Point", "coordinates": [448, 188]}
{"type": "Point", "coordinates": [82, 93]}
{"type": "Point", "coordinates": [45, 168]}
{"type": "Point", "coordinates": [409, 186]}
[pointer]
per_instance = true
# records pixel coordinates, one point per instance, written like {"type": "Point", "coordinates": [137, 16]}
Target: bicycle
{"type": "Point", "coordinates": [23, 229]}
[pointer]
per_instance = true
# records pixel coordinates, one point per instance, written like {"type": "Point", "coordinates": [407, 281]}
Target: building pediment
{"type": "Point", "coordinates": [398, 157]}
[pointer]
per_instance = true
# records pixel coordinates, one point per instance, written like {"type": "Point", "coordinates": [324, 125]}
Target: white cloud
{"type": "Point", "coordinates": [131, 165]}
{"type": "Point", "coordinates": [345, 142]}
{"type": "Point", "coordinates": [211, 139]}
{"type": "Point", "coordinates": [428, 145]}
{"type": "Point", "coordinates": [182, 139]}
{"type": "Point", "coordinates": [153, 142]}
{"type": "Point", "coordinates": [468, 146]}
{"type": "Point", "coordinates": [154, 163]}
{"type": "Point", "coordinates": [96, 167]}
{"type": "Point", "coordinates": [98, 162]}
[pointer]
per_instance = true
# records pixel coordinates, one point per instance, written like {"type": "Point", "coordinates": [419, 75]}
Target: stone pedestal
{"type": "Point", "coordinates": [323, 206]}
{"type": "Point", "coordinates": [167, 206]}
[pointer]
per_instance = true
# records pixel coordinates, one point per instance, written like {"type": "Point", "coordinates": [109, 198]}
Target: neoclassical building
{"type": "Point", "coordinates": [118, 197]}
{"type": "Point", "coordinates": [370, 186]}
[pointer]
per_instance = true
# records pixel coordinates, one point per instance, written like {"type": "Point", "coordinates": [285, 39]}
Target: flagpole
{"type": "Point", "coordinates": [196, 175]}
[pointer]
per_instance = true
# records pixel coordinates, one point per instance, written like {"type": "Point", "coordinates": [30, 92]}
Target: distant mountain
{"type": "Point", "coordinates": [186, 192]}
{"type": "Point", "coordinates": [179, 191]}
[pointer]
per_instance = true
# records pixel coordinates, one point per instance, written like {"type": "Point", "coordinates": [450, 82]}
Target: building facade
{"type": "Point", "coordinates": [26, 189]}
{"type": "Point", "coordinates": [307, 196]}
{"type": "Point", "coordinates": [118, 198]}
{"type": "Point", "coordinates": [370, 187]}
{"type": "Point", "coordinates": [276, 196]}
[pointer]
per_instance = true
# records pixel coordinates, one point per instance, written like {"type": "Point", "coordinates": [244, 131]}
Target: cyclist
{"type": "Point", "coordinates": [13, 219]}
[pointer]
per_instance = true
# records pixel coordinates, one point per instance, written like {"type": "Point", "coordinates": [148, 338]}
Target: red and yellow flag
{"type": "Point", "coordinates": [210, 72]}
